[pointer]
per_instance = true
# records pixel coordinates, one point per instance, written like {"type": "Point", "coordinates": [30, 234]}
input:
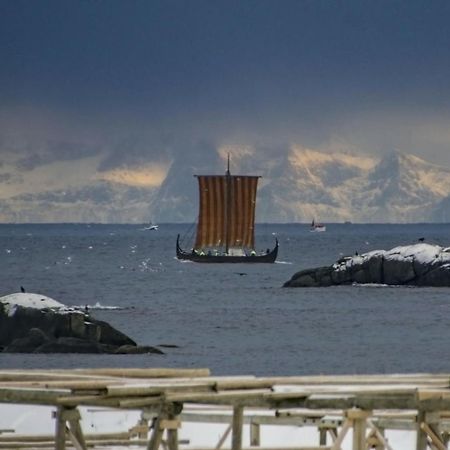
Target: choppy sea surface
{"type": "Point", "coordinates": [232, 318]}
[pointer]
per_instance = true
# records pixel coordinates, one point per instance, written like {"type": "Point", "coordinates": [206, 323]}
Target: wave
{"type": "Point", "coordinates": [99, 307]}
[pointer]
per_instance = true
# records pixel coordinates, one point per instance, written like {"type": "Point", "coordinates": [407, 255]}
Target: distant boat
{"type": "Point", "coordinates": [317, 226]}
{"type": "Point", "coordinates": [226, 222]}
{"type": "Point", "coordinates": [151, 227]}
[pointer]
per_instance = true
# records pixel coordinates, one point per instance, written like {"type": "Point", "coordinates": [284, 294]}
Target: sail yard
{"type": "Point", "coordinates": [355, 410]}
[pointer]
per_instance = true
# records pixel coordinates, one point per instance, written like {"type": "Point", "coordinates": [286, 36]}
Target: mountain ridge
{"type": "Point", "coordinates": [296, 185]}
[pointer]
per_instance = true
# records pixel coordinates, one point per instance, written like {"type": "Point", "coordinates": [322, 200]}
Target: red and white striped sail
{"type": "Point", "coordinates": [227, 211]}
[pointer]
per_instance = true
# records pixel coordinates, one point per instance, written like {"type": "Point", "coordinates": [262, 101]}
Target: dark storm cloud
{"type": "Point", "coordinates": [133, 150]}
{"type": "Point", "coordinates": [216, 70]}
{"type": "Point", "coordinates": [166, 53]}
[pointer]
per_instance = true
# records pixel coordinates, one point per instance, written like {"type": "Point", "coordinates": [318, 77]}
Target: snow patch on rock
{"type": "Point", "coordinates": [30, 300]}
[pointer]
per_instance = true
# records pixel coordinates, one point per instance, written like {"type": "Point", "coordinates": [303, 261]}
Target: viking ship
{"type": "Point", "coordinates": [226, 221]}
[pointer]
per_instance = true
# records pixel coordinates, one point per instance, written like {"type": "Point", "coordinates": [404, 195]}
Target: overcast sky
{"type": "Point", "coordinates": [138, 80]}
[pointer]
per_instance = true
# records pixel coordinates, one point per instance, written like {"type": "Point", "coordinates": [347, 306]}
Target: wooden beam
{"type": "Point", "coordinates": [51, 437]}
{"type": "Point", "coordinates": [92, 400]}
{"type": "Point", "coordinates": [40, 396]}
{"type": "Point", "coordinates": [127, 390]}
{"type": "Point", "coordinates": [227, 398]}
{"type": "Point", "coordinates": [223, 437]}
{"type": "Point", "coordinates": [342, 433]}
{"type": "Point", "coordinates": [170, 424]}
{"type": "Point", "coordinates": [434, 436]}
{"type": "Point", "coordinates": [380, 436]}
{"type": "Point", "coordinates": [265, 382]}
{"type": "Point", "coordinates": [79, 445]}
{"type": "Point", "coordinates": [138, 402]}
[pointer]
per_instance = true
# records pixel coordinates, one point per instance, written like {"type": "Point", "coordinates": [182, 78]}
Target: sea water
{"type": "Point", "coordinates": [232, 318]}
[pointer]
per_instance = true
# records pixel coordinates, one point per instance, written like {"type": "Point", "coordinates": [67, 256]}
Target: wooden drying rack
{"type": "Point", "coordinates": [334, 404]}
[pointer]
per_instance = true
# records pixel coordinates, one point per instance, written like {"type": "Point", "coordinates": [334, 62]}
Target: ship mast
{"type": "Point", "coordinates": [227, 205]}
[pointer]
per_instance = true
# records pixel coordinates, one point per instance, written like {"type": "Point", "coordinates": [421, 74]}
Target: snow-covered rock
{"type": "Point", "coordinates": [418, 265]}
{"type": "Point", "coordinates": [30, 300]}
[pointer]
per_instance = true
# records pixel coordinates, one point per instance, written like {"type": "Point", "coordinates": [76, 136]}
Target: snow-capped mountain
{"type": "Point", "coordinates": [302, 184]}
{"type": "Point", "coordinates": [297, 185]}
{"type": "Point", "coordinates": [404, 188]}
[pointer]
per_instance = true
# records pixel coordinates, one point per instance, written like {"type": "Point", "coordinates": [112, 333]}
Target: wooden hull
{"type": "Point", "coordinates": [318, 229]}
{"type": "Point", "coordinates": [266, 258]}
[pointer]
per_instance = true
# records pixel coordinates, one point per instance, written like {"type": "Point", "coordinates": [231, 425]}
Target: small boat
{"type": "Point", "coordinates": [226, 222]}
{"type": "Point", "coordinates": [317, 226]}
{"type": "Point", "coordinates": [151, 227]}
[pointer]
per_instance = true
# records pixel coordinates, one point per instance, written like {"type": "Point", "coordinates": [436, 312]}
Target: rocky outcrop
{"type": "Point", "coordinates": [416, 265]}
{"type": "Point", "coordinates": [31, 323]}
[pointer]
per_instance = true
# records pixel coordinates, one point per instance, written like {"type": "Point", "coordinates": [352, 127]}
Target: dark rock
{"type": "Point", "coordinates": [137, 349]}
{"type": "Point", "coordinates": [109, 335]}
{"type": "Point", "coordinates": [312, 277]}
{"type": "Point", "coordinates": [28, 343]}
{"type": "Point", "coordinates": [398, 271]}
{"type": "Point", "coordinates": [373, 269]}
{"type": "Point", "coordinates": [438, 277]}
{"type": "Point", "coordinates": [69, 345]}
{"type": "Point", "coordinates": [57, 329]}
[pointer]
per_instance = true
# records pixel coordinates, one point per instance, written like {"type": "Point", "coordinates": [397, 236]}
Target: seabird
{"type": "Point", "coordinates": [421, 239]}
{"type": "Point", "coordinates": [22, 289]}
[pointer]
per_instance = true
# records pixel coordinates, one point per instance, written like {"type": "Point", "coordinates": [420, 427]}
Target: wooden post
{"type": "Point", "coordinates": [322, 436]}
{"type": "Point", "coordinates": [238, 420]}
{"type": "Point", "coordinates": [72, 417]}
{"type": "Point", "coordinates": [421, 440]}
{"type": "Point", "coordinates": [172, 430]}
{"type": "Point", "coordinates": [76, 434]}
{"type": "Point", "coordinates": [156, 436]}
{"type": "Point", "coordinates": [445, 437]}
{"type": "Point", "coordinates": [359, 418]}
{"type": "Point", "coordinates": [60, 432]}
{"type": "Point", "coordinates": [255, 434]}
{"type": "Point", "coordinates": [166, 420]}
{"type": "Point", "coordinates": [359, 434]}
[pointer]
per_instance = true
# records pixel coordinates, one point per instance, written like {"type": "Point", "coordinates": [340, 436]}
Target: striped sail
{"type": "Point", "coordinates": [227, 211]}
